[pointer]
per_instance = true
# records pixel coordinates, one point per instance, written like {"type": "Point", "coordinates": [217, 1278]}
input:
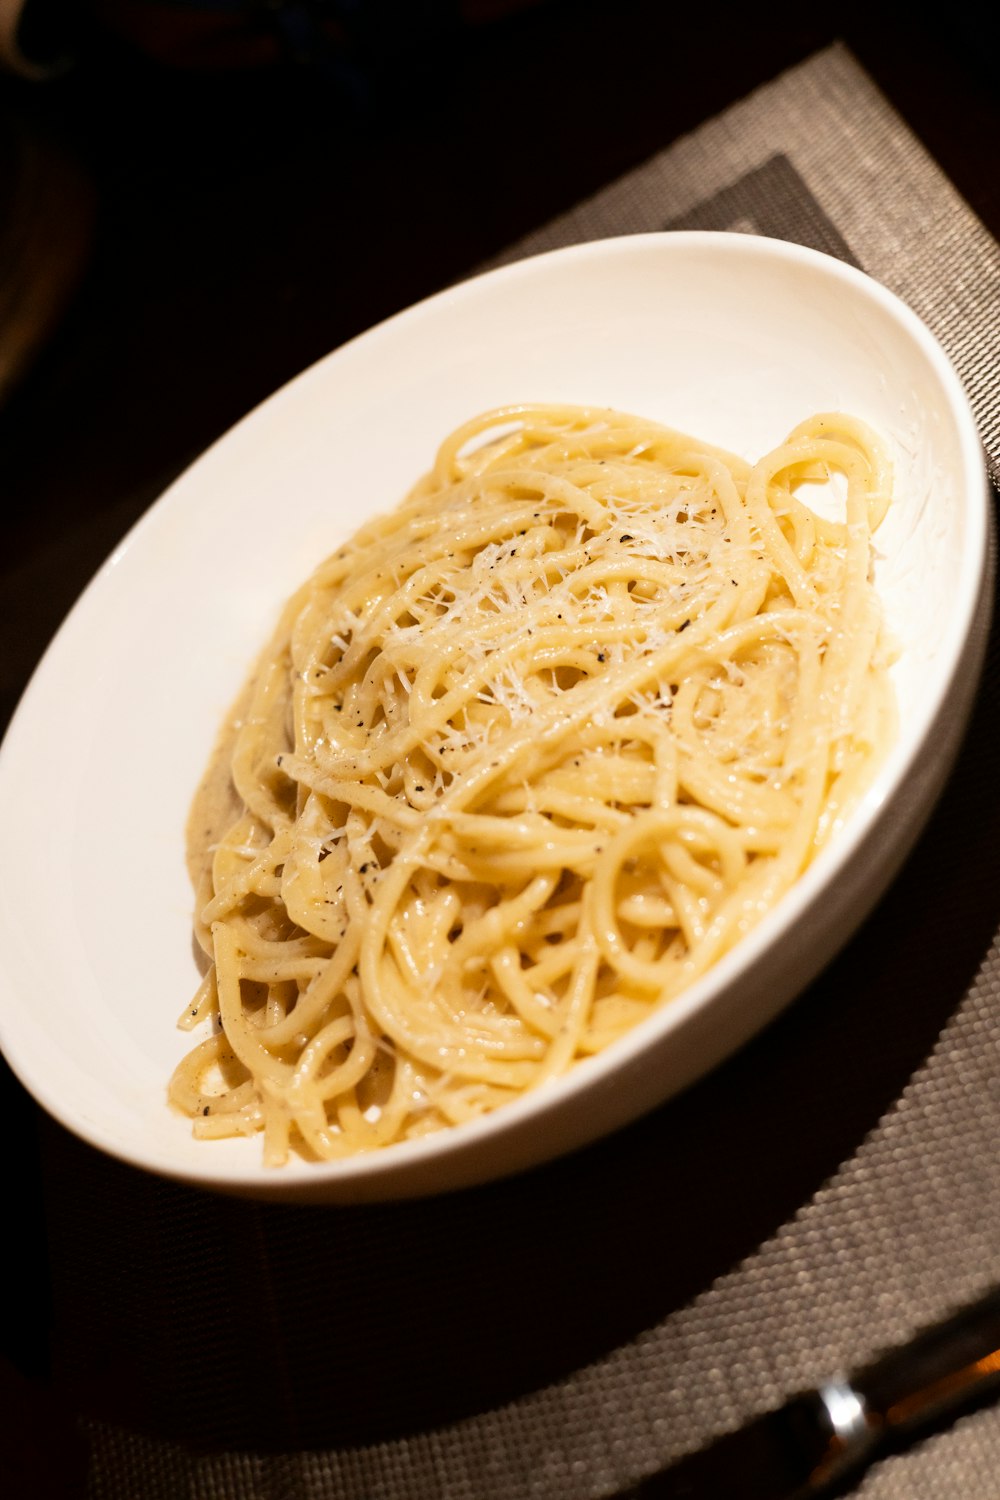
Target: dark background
{"type": "Point", "coordinates": [194, 212]}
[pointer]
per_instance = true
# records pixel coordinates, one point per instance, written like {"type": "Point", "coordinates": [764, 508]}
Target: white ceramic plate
{"type": "Point", "coordinates": [732, 338]}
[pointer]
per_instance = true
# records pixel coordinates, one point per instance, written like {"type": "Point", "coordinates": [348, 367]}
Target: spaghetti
{"type": "Point", "coordinates": [521, 762]}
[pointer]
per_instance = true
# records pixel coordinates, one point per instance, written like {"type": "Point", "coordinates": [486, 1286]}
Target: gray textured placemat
{"type": "Point", "coordinates": [825, 1193]}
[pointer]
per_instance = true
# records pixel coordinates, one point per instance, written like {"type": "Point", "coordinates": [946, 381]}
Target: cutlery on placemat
{"type": "Point", "coordinates": [823, 1439]}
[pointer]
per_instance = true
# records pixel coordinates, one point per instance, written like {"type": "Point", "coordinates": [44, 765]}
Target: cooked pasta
{"type": "Point", "coordinates": [521, 762]}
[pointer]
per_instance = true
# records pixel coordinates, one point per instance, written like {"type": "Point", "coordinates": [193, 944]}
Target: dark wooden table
{"type": "Point", "coordinates": [185, 239]}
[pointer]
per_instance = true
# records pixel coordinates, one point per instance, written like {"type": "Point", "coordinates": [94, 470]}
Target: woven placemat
{"type": "Point", "coordinates": [825, 1193]}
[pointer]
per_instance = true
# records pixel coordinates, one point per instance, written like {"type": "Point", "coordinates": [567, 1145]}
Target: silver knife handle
{"type": "Point", "coordinates": [949, 1366]}
{"type": "Point", "coordinates": [945, 1367]}
{"type": "Point", "coordinates": [854, 1432]}
{"type": "Point", "coordinates": [822, 1439]}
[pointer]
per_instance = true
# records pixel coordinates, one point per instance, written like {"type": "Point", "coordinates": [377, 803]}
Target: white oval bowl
{"type": "Point", "coordinates": [731, 338]}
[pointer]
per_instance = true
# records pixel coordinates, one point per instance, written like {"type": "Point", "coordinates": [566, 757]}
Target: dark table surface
{"type": "Point", "coordinates": [187, 237]}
